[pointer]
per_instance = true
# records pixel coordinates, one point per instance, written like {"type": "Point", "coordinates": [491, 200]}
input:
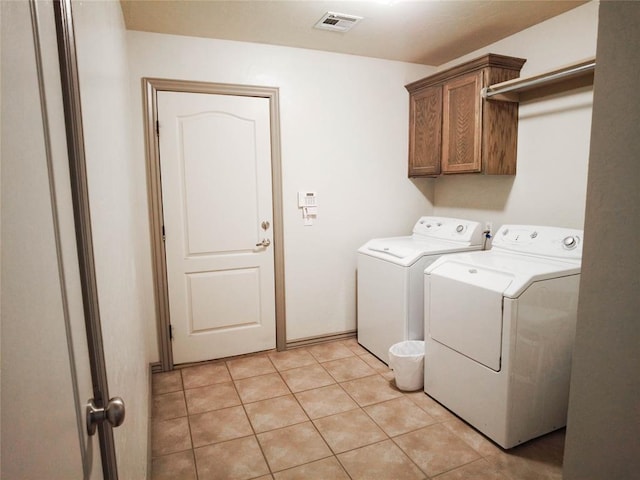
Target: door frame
{"type": "Point", "coordinates": [151, 87]}
{"type": "Point", "coordinates": [70, 84]}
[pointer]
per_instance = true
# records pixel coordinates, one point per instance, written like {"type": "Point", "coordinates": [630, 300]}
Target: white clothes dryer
{"type": "Point", "coordinates": [390, 279]}
{"type": "Point", "coordinates": [500, 327]}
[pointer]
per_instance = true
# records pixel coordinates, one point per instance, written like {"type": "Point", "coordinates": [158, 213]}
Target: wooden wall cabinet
{"type": "Point", "coordinates": [452, 129]}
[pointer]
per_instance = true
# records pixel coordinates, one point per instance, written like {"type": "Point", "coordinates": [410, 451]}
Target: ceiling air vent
{"type": "Point", "coordinates": [337, 22]}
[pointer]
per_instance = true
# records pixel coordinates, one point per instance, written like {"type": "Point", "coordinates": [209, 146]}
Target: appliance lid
{"type": "Point", "coordinates": [408, 250]}
{"type": "Point", "coordinates": [489, 269]}
{"type": "Point", "coordinates": [488, 279]}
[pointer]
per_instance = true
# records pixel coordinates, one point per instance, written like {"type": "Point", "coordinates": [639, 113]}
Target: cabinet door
{"type": "Point", "coordinates": [461, 130]}
{"type": "Point", "coordinates": [425, 132]}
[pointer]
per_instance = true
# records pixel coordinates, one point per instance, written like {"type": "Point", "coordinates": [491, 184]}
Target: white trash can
{"type": "Point", "coordinates": [406, 359]}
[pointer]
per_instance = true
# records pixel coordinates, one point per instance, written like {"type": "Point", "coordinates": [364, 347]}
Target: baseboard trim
{"type": "Point", "coordinates": [153, 368]}
{"type": "Point", "coordinates": [305, 342]}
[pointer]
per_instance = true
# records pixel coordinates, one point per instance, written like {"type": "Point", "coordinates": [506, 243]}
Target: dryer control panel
{"type": "Point", "coordinates": [563, 243]}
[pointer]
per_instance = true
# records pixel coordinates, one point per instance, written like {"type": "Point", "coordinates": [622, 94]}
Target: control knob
{"type": "Point", "coordinates": [569, 242]}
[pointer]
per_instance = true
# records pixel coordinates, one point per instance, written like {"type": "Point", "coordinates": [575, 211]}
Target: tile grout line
{"type": "Point", "coordinates": [186, 408]}
{"type": "Point", "coordinates": [310, 420]}
{"type": "Point", "coordinates": [333, 453]}
{"type": "Point", "coordinates": [306, 414]}
{"type": "Point", "coordinates": [255, 434]}
{"type": "Point", "coordinates": [358, 407]}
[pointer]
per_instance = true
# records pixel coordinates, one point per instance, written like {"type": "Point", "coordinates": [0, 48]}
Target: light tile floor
{"type": "Point", "coordinates": [328, 411]}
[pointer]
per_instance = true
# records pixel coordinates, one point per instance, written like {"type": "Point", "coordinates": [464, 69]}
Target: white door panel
{"type": "Point", "coordinates": [208, 292]}
{"type": "Point", "coordinates": [215, 157]}
{"type": "Point", "coordinates": [225, 185]}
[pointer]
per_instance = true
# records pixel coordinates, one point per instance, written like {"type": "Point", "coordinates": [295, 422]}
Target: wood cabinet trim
{"type": "Point", "coordinates": [489, 60]}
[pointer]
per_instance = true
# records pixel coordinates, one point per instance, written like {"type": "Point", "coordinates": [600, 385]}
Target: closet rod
{"type": "Point", "coordinates": [522, 84]}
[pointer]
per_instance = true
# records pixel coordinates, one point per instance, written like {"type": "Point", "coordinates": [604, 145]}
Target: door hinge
{"type": "Point", "coordinates": [170, 332]}
{"type": "Point", "coordinates": [157, 128]}
{"type": "Point", "coordinates": [163, 234]}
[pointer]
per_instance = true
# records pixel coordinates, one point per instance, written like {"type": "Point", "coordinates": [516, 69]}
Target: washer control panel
{"type": "Point", "coordinates": [450, 229]}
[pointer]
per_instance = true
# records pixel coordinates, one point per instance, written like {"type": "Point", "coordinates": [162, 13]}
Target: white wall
{"type": "Point", "coordinates": [603, 427]}
{"type": "Point", "coordinates": [119, 221]}
{"type": "Point", "coordinates": [344, 134]}
{"type": "Point", "coordinates": [553, 135]}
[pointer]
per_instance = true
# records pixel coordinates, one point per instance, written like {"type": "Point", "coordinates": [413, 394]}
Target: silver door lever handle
{"type": "Point", "coordinates": [264, 243]}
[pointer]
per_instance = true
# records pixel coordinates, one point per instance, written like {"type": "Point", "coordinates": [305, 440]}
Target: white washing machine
{"type": "Point", "coordinates": [391, 274]}
{"type": "Point", "coordinates": [500, 327]}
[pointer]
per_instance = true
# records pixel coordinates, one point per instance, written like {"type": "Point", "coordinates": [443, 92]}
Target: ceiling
{"type": "Point", "coordinates": [430, 32]}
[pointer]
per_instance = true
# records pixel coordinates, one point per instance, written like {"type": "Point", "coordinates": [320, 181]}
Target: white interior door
{"type": "Point", "coordinates": [46, 380]}
{"type": "Point", "coordinates": [215, 160]}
